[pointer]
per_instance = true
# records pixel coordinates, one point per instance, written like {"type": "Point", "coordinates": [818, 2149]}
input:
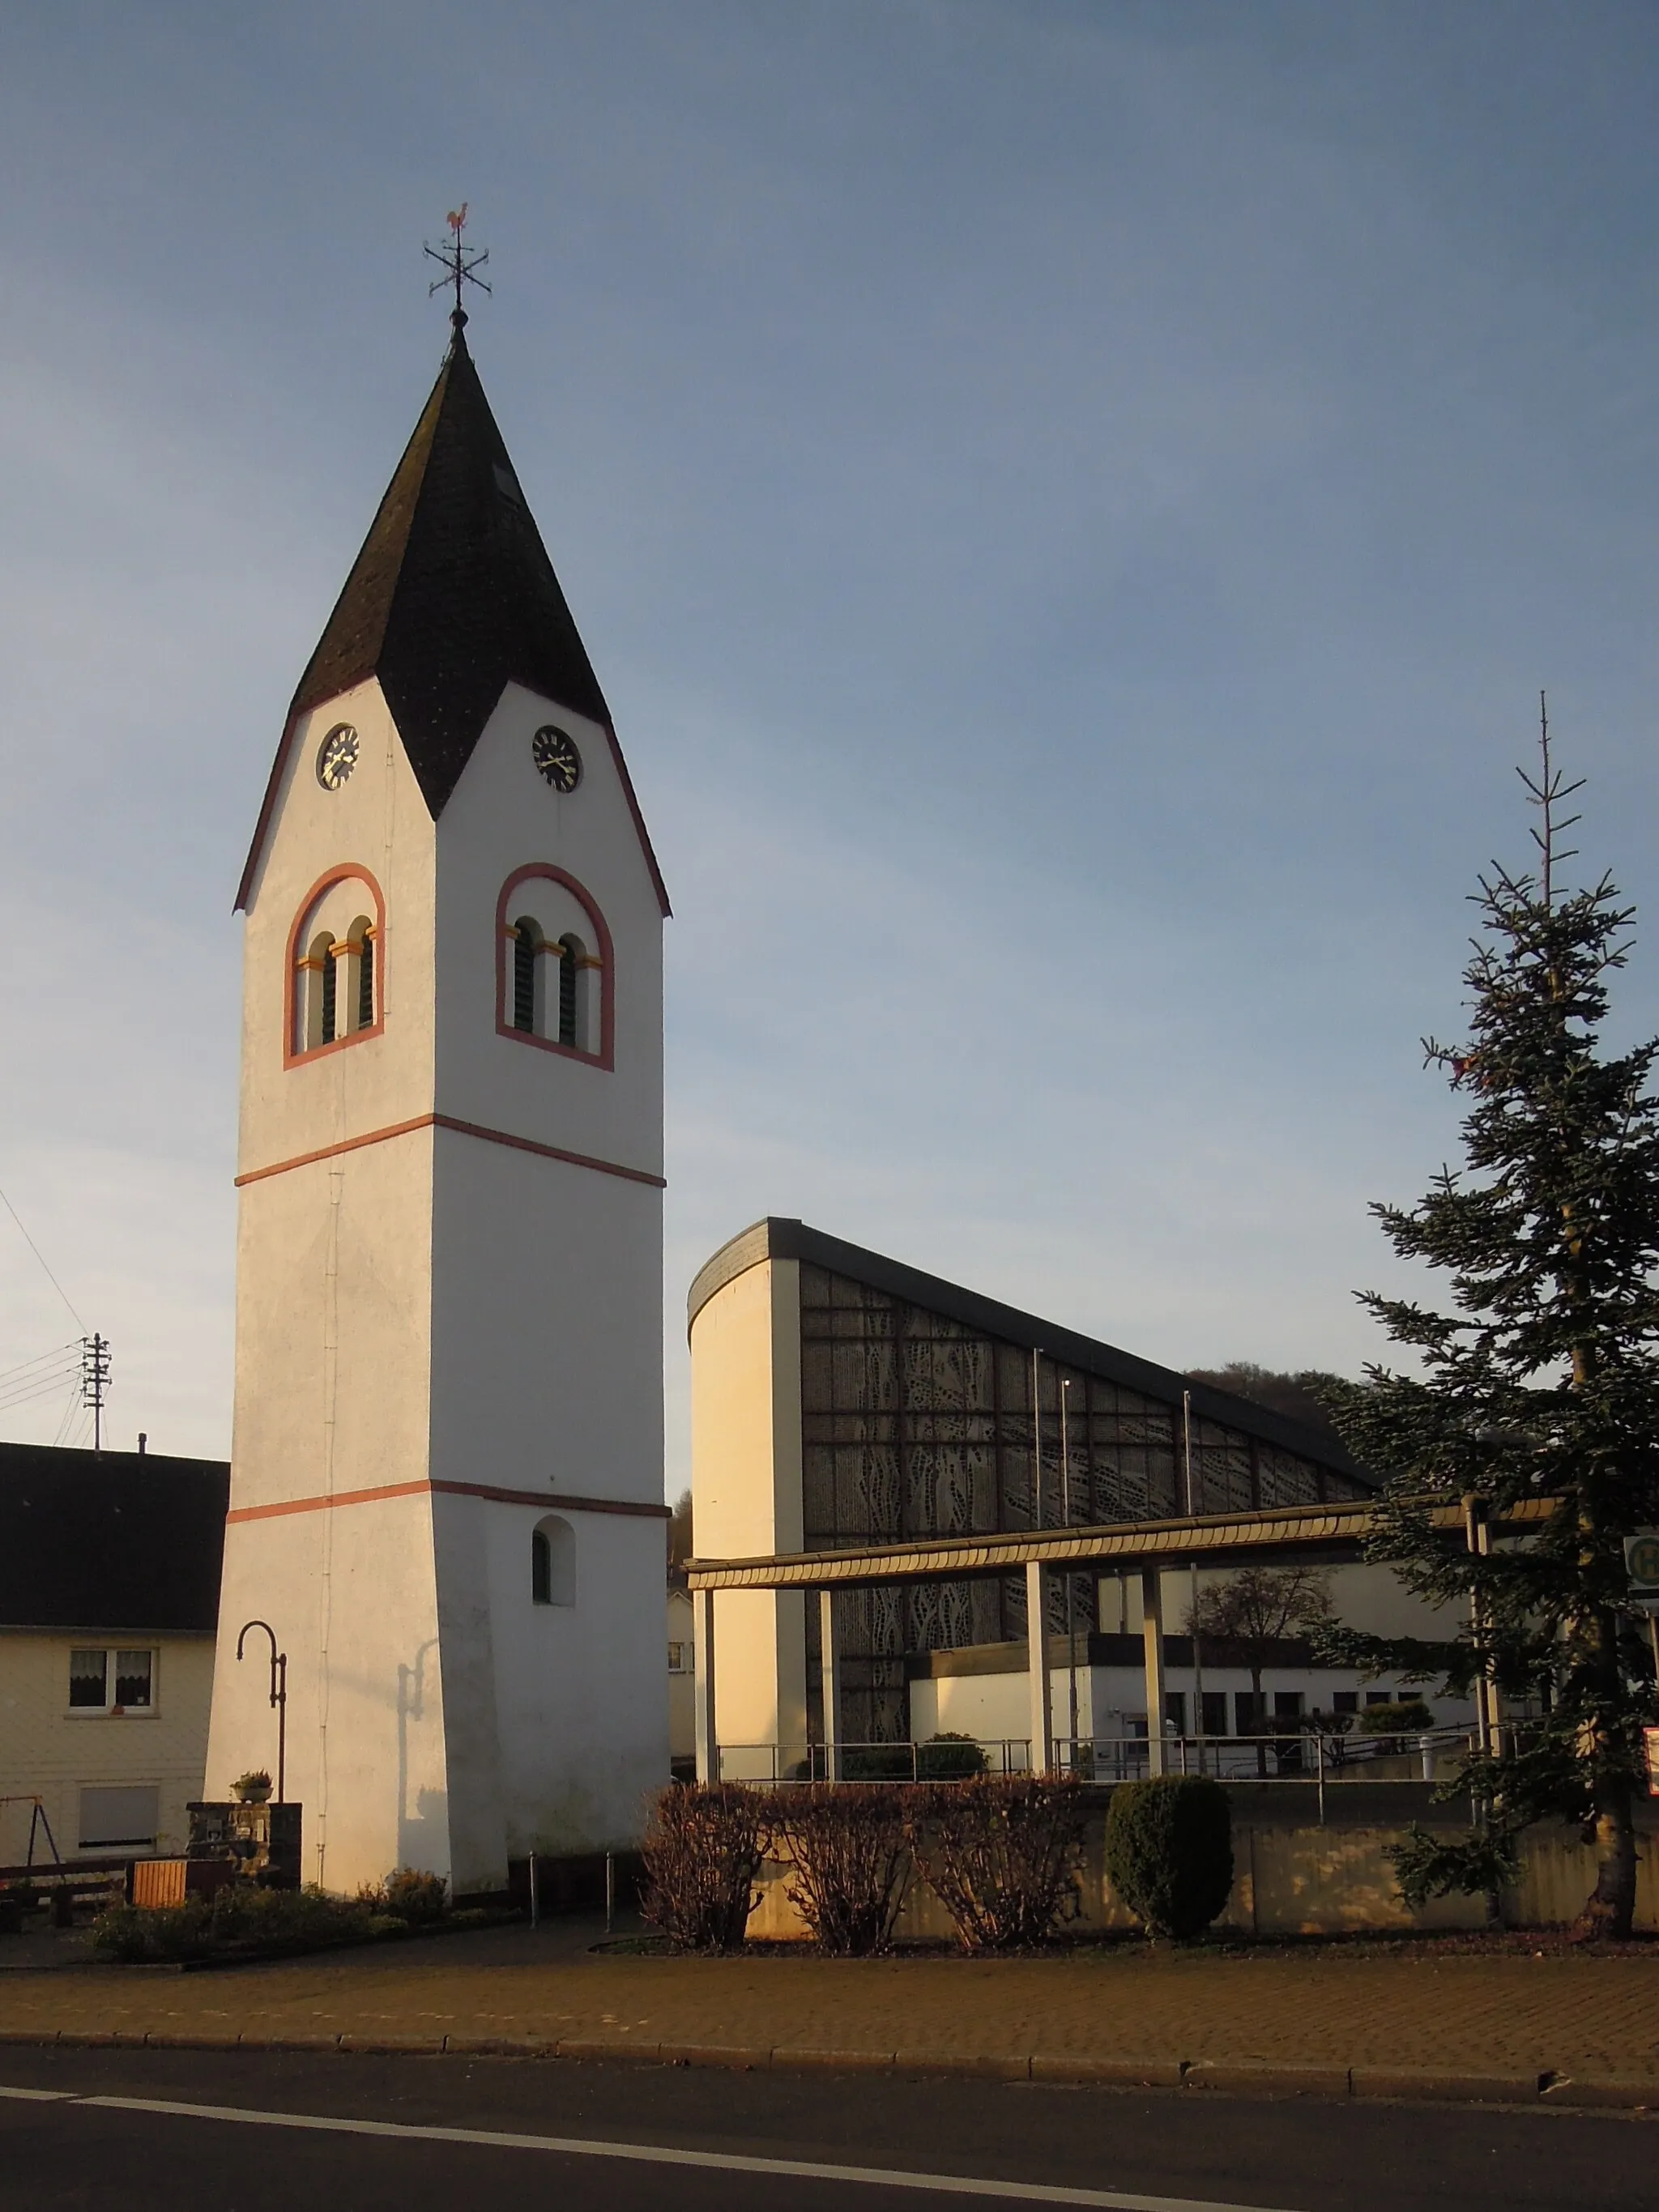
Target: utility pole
{"type": "Point", "coordinates": [94, 1381]}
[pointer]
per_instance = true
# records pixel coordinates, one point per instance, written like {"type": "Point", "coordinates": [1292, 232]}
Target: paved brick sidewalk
{"type": "Point", "coordinates": [1504, 2015]}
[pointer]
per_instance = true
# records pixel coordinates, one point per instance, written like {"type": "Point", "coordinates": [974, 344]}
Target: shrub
{"type": "Point", "coordinates": [416, 1898]}
{"type": "Point", "coordinates": [702, 1850]}
{"type": "Point", "coordinates": [878, 1762]}
{"type": "Point", "coordinates": [1399, 1716]}
{"type": "Point", "coordinates": [1170, 1851]}
{"type": "Point", "coordinates": [949, 1757]}
{"type": "Point", "coordinates": [1001, 1854]}
{"type": "Point", "coordinates": [852, 1863]}
{"type": "Point", "coordinates": [136, 1934]}
{"type": "Point", "coordinates": [242, 1918]}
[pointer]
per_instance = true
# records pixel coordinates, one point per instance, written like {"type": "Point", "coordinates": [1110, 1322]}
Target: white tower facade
{"type": "Point", "coordinates": [447, 1467]}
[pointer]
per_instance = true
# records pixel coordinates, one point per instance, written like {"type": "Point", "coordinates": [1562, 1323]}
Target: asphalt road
{"type": "Point", "coordinates": [1009, 2142]}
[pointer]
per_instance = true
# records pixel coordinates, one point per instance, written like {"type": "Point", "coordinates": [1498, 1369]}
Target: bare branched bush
{"type": "Point", "coordinates": [852, 1863]}
{"type": "Point", "coordinates": [1001, 1853]}
{"type": "Point", "coordinates": [702, 1850]}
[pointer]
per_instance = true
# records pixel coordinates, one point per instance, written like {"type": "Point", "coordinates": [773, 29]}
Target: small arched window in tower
{"type": "Point", "coordinates": [553, 1563]}
{"type": "Point", "coordinates": [528, 946]}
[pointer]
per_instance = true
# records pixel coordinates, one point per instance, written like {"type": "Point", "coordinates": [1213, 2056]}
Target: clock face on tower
{"type": "Point", "coordinates": [337, 757]}
{"type": "Point", "coordinates": [555, 756]}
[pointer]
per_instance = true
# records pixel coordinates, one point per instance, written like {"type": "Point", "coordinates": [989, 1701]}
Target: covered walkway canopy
{"type": "Point", "coordinates": [1308, 1535]}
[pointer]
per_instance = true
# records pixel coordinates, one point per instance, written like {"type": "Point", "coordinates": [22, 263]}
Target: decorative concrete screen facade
{"type": "Point", "coordinates": [841, 1400]}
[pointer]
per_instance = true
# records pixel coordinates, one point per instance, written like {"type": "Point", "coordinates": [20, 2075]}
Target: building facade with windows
{"type": "Point", "coordinates": [109, 1593]}
{"type": "Point", "coordinates": [447, 1461]}
{"type": "Point", "coordinates": [841, 1399]}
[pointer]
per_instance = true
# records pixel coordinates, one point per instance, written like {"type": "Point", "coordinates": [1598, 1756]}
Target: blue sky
{"type": "Point", "coordinates": [1071, 506]}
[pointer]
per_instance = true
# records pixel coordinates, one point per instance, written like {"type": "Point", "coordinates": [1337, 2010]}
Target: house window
{"type": "Point", "coordinates": [118, 1816]}
{"type": "Point", "coordinates": [679, 1659]}
{"type": "Point", "coordinates": [553, 1563]}
{"type": "Point", "coordinates": [105, 1680]}
{"type": "Point", "coordinates": [1345, 1701]}
{"type": "Point", "coordinates": [1215, 1712]}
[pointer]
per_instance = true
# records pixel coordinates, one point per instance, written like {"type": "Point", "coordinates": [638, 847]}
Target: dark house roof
{"type": "Point", "coordinates": [452, 598]}
{"type": "Point", "coordinates": [124, 1541]}
{"type": "Point", "coordinates": [780, 1237]}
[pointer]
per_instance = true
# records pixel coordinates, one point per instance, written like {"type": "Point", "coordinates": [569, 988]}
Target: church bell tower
{"type": "Point", "coordinates": [446, 1470]}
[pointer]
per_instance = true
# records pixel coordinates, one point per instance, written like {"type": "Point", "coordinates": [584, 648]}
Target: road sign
{"type": "Point", "coordinates": [1641, 1565]}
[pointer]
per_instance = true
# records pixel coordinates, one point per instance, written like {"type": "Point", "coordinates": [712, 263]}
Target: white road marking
{"type": "Point", "coordinates": [794, 2169]}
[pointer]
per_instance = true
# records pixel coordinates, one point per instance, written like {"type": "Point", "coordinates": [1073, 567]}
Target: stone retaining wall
{"type": "Point", "coordinates": [1297, 1881]}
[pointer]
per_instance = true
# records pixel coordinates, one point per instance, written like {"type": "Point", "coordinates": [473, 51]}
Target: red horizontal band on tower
{"type": "Point", "coordinates": [461, 1129]}
{"type": "Point", "coordinates": [549, 1500]}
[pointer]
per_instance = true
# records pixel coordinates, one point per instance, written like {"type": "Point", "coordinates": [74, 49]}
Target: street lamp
{"type": "Point", "coordinates": [278, 1694]}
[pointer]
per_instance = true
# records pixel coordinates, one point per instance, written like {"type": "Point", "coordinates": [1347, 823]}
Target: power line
{"type": "Point", "coordinates": [41, 1257]}
{"type": "Point", "coordinates": [54, 1358]}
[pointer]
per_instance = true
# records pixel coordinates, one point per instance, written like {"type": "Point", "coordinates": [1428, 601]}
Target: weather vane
{"type": "Point", "coordinates": [459, 263]}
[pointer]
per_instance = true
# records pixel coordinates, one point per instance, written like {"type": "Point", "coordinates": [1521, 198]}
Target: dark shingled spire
{"type": "Point", "coordinates": [452, 597]}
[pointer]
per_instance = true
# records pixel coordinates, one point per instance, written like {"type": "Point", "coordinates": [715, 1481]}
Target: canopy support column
{"type": "Point", "coordinates": [1036, 1663]}
{"type": "Point", "coordinates": [1151, 1615]}
{"type": "Point", "coordinates": [702, 1660]}
{"type": "Point", "coordinates": [830, 1674]}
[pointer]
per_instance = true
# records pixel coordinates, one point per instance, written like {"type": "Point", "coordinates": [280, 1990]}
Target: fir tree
{"type": "Point", "coordinates": [1537, 1395]}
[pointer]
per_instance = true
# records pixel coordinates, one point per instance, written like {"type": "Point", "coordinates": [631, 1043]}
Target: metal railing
{"type": "Point", "coordinates": [1288, 1755]}
{"type": "Point", "coordinates": [1300, 1755]}
{"type": "Point", "coordinates": [951, 1761]}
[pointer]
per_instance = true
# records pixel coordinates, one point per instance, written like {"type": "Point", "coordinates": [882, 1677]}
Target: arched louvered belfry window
{"type": "Point", "coordinates": [526, 960]}
{"type": "Point", "coordinates": [553, 965]}
{"type": "Point", "coordinates": [337, 965]}
{"type": "Point", "coordinates": [570, 979]}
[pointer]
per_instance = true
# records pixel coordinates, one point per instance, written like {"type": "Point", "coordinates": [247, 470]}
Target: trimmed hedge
{"type": "Point", "coordinates": [852, 1863]}
{"type": "Point", "coordinates": [1169, 1852]}
{"type": "Point", "coordinates": [702, 1850]}
{"type": "Point", "coordinates": [1001, 1853]}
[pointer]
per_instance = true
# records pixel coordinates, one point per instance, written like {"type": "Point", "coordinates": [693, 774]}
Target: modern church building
{"type": "Point", "coordinates": [842, 1400]}
{"type": "Point", "coordinates": [447, 1467]}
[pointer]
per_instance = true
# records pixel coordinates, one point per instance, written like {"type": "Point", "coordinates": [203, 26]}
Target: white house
{"type": "Point", "coordinates": [109, 1588]}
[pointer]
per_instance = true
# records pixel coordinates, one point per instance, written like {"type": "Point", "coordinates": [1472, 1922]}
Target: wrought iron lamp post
{"type": "Point", "coordinates": [278, 1695]}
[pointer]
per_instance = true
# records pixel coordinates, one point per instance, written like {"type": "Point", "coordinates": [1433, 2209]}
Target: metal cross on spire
{"type": "Point", "coordinates": [459, 263]}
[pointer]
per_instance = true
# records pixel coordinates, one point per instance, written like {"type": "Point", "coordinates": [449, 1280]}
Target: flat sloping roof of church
{"type": "Point", "coordinates": [111, 1542]}
{"type": "Point", "coordinates": [780, 1237]}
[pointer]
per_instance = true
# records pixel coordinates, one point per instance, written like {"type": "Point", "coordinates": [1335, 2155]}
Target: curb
{"type": "Point", "coordinates": [1240, 2077]}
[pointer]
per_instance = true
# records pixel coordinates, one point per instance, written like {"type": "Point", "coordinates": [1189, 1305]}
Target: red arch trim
{"type": "Point", "coordinates": [350, 873]}
{"type": "Point", "coordinates": [606, 1057]}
